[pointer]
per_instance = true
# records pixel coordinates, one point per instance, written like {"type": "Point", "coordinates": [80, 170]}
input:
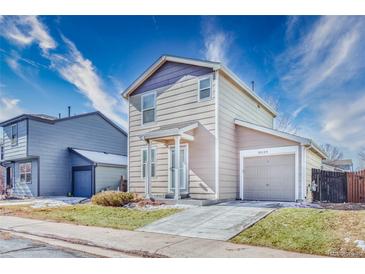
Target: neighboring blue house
{"type": "Point", "coordinates": [49, 156]}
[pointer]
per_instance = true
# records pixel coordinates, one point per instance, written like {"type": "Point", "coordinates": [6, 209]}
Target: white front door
{"type": "Point", "coordinates": [183, 169]}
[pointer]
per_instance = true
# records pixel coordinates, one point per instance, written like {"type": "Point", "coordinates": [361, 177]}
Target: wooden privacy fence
{"type": "Point", "coordinates": [356, 187]}
{"type": "Point", "coordinates": [338, 187]}
{"type": "Point", "coordinates": [330, 186]}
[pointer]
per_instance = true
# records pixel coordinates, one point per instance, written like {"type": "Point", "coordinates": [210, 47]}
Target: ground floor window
{"type": "Point", "coordinates": [153, 162]}
{"type": "Point", "coordinates": [25, 171]}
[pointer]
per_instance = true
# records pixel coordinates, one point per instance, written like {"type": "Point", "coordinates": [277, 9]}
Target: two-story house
{"type": "Point", "coordinates": [48, 156]}
{"type": "Point", "coordinates": [228, 147]}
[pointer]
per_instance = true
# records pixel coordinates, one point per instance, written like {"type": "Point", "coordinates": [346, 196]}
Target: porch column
{"type": "Point", "coordinates": [177, 167]}
{"type": "Point", "coordinates": [148, 172]}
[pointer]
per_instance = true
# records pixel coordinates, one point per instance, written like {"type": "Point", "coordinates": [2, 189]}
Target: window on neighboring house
{"type": "Point", "coordinates": [25, 171]}
{"type": "Point", "coordinates": [148, 108]}
{"type": "Point", "coordinates": [1, 153]}
{"type": "Point", "coordinates": [205, 89]}
{"type": "Point", "coordinates": [14, 135]}
{"type": "Point", "coordinates": [153, 162]}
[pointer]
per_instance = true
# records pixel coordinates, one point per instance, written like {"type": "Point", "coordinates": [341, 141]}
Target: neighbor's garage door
{"type": "Point", "coordinates": [82, 181]}
{"type": "Point", "coordinates": [269, 178]}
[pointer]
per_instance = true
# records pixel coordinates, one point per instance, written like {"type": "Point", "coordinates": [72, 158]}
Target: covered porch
{"type": "Point", "coordinates": [173, 136]}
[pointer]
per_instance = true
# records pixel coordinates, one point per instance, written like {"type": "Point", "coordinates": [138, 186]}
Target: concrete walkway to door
{"type": "Point", "coordinates": [217, 222]}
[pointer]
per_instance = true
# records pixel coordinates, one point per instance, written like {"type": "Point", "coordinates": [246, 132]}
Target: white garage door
{"type": "Point", "coordinates": [269, 178]}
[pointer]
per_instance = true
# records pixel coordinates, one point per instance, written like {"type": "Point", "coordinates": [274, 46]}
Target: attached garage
{"type": "Point", "coordinates": [273, 164]}
{"type": "Point", "coordinates": [94, 171]}
{"type": "Point", "coordinates": [271, 178]}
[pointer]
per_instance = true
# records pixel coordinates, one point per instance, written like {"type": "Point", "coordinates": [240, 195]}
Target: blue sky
{"type": "Point", "coordinates": [312, 68]}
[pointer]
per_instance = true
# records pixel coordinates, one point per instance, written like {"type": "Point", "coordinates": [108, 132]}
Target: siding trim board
{"type": "Point", "coordinates": [217, 135]}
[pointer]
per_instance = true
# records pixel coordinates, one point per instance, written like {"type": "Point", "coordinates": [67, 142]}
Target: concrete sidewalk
{"type": "Point", "coordinates": [140, 243]}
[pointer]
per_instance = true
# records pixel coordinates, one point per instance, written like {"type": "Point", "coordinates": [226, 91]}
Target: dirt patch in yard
{"type": "Point", "coordinates": [343, 206]}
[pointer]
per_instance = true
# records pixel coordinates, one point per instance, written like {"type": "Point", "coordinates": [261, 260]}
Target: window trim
{"type": "Point", "coordinates": [152, 162]}
{"type": "Point", "coordinates": [11, 135]}
{"type": "Point", "coordinates": [154, 107]}
{"type": "Point", "coordinates": [25, 173]}
{"type": "Point", "coordinates": [210, 87]}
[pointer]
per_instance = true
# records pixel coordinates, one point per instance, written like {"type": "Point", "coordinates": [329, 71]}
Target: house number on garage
{"type": "Point", "coordinates": [263, 152]}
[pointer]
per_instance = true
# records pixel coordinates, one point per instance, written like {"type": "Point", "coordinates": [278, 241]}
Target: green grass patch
{"type": "Point", "coordinates": [92, 215]}
{"type": "Point", "coordinates": [313, 231]}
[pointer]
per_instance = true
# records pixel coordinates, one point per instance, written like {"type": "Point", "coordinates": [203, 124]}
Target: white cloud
{"type": "Point", "coordinates": [325, 56]}
{"type": "Point", "coordinates": [71, 64]}
{"type": "Point", "coordinates": [216, 42]}
{"type": "Point", "coordinates": [79, 71]}
{"type": "Point", "coordinates": [319, 70]}
{"type": "Point", "coordinates": [9, 107]}
{"type": "Point", "coordinates": [343, 120]}
{"type": "Point", "coordinates": [25, 30]}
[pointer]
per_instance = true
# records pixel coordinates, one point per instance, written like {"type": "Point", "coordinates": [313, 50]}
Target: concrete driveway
{"type": "Point", "coordinates": [217, 222]}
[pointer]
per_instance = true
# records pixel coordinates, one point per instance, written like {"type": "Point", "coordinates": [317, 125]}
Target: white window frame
{"type": "Point", "coordinates": [25, 173]}
{"type": "Point", "coordinates": [154, 107]}
{"type": "Point", "coordinates": [152, 162]}
{"type": "Point", "coordinates": [11, 134]}
{"type": "Point", "coordinates": [211, 89]}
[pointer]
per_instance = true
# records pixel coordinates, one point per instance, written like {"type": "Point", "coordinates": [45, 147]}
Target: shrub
{"type": "Point", "coordinates": [114, 198]}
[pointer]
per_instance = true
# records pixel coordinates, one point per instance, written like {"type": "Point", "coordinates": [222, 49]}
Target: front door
{"type": "Point", "coordinates": [9, 178]}
{"type": "Point", "coordinates": [183, 169]}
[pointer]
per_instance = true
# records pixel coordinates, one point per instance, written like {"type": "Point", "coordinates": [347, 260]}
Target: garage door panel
{"type": "Point", "coordinates": [269, 178]}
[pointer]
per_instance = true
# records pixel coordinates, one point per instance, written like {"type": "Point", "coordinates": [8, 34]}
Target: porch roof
{"type": "Point", "coordinates": [101, 157]}
{"type": "Point", "coordinates": [178, 129]}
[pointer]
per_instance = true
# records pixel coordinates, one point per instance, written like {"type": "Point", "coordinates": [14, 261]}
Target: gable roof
{"type": "Point", "coordinates": [215, 66]}
{"type": "Point", "coordinates": [295, 138]}
{"type": "Point", "coordinates": [52, 120]}
{"type": "Point", "coordinates": [38, 117]}
{"type": "Point", "coordinates": [98, 157]}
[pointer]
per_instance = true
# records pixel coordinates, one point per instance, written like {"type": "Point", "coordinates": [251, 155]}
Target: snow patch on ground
{"type": "Point", "coordinates": [360, 244]}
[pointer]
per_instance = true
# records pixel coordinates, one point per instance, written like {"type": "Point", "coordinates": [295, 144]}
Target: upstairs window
{"type": "Point", "coordinates": [14, 135]}
{"type": "Point", "coordinates": [205, 89]}
{"type": "Point", "coordinates": [25, 171]}
{"type": "Point", "coordinates": [1, 152]}
{"type": "Point", "coordinates": [148, 108]}
{"type": "Point", "coordinates": [153, 162]}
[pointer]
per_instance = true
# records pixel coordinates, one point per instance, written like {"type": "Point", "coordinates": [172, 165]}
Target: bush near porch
{"type": "Point", "coordinates": [315, 231]}
{"type": "Point", "coordinates": [114, 198]}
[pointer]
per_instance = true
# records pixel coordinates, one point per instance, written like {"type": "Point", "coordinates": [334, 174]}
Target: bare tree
{"type": "Point", "coordinates": [362, 157]}
{"type": "Point", "coordinates": [333, 152]}
{"type": "Point", "coordinates": [362, 154]}
{"type": "Point", "coordinates": [283, 122]}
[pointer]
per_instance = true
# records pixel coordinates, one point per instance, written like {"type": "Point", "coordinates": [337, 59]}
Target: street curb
{"type": "Point", "coordinates": [137, 253]}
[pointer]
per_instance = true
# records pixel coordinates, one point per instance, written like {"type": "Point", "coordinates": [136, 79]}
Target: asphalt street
{"type": "Point", "coordinates": [17, 247]}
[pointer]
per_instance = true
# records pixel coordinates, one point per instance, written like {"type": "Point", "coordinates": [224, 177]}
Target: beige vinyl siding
{"type": "Point", "coordinates": [234, 103]}
{"type": "Point", "coordinates": [313, 161]}
{"type": "Point", "coordinates": [174, 104]}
